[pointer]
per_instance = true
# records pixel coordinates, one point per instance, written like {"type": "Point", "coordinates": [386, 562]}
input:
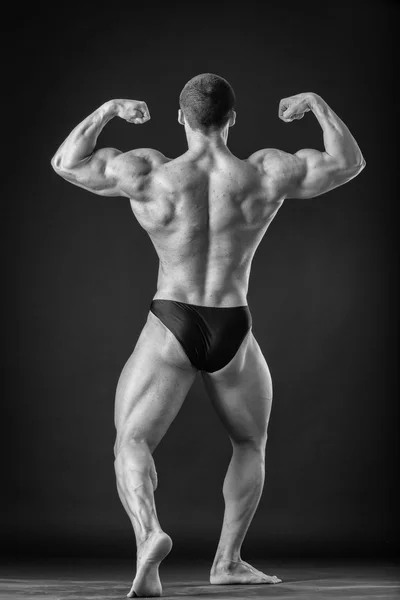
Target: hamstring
{"type": "Point", "coordinates": [210, 335]}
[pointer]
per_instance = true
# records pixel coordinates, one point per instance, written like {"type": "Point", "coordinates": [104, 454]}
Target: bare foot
{"type": "Point", "coordinates": [227, 572]}
{"type": "Point", "coordinates": [147, 581]}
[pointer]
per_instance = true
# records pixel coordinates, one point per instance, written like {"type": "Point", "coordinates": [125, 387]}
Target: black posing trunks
{"type": "Point", "coordinates": [210, 335]}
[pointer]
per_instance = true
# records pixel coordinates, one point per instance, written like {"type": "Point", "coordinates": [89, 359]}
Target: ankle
{"type": "Point", "coordinates": [224, 561]}
{"type": "Point", "coordinates": [147, 536]}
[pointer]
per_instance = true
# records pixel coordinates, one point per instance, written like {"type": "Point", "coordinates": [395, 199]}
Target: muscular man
{"type": "Point", "coordinates": [206, 213]}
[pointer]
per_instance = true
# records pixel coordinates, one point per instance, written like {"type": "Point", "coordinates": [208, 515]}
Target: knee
{"type": "Point", "coordinates": [253, 443]}
{"type": "Point", "coordinates": [252, 436]}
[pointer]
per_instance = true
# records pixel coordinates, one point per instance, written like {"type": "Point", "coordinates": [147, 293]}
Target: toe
{"type": "Point", "coordinates": [271, 579]}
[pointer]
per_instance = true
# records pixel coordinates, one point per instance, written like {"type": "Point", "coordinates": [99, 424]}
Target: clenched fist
{"type": "Point", "coordinates": [133, 111]}
{"type": "Point", "coordinates": [295, 107]}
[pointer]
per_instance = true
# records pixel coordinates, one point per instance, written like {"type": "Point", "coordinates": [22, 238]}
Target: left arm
{"type": "Point", "coordinates": [100, 171]}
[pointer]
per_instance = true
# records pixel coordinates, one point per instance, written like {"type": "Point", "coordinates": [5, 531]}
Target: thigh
{"type": "Point", "coordinates": [241, 392]}
{"type": "Point", "coordinates": [153, 385]}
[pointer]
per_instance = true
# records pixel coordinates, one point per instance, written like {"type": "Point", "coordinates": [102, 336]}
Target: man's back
{"type": "Point", "coordinates": [205, 212]}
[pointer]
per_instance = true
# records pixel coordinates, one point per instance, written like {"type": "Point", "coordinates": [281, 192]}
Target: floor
{"type": "Point", "coordinates": [101, 580]}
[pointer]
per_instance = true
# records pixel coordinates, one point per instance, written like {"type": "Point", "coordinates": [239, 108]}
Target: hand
{"type": "Point", "coordinates": [133, 111]}
{"type": "Point", "coordinates": [294, 107]}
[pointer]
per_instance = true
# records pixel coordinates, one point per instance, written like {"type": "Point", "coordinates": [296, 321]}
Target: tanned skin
{"type": "Point", "coordinates": [206, 213]}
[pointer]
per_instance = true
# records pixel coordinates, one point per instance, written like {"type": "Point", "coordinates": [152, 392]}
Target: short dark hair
{"type": "Point", "coordinates": [207, 101]}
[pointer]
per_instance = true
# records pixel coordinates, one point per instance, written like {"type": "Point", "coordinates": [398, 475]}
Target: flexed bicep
{"type": "Point", "coordinates": [96, 173]}
{"type": "Point", "coordinates": [314, 173]}
{"type": "Point", "coordinates": [109, 172]}
{"type": "Point", "coordinates": [305, 174]}
{"type": "Point", "coordinates": [105, 171]}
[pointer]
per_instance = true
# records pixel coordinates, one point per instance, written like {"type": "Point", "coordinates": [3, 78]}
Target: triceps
{"type": "Point", "coordinates": [87, 176]}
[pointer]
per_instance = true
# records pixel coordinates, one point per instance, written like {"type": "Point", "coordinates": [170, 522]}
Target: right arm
{"type": "Point", "coordinates": [106, 171]}
{"type": "Point", "coordinates": [309, 173]}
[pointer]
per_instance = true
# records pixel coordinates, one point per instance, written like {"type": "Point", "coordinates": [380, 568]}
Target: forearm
{"type": "Point", "coordinates": [338, 141]}
{"type": "Point", "coordinates": [82, 140]}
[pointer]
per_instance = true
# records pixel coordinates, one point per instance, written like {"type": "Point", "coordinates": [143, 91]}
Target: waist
{"type": "Point", "coordinates": [221, 299]}
{"type": "Point", "coordinates": [212, 286]}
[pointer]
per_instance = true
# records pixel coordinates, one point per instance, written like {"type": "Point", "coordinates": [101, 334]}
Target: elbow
{"type": "Point", "coordinates": [350, 163]}
{"type": "Point", "coordinates": [56, 163]}
{"type": "Point", "coordinates": [348, 172]}
{"type": "Point", "coordinates": [62, 164]}
{"type": "Point", "coordinates": [59, 165]}
{"type": "Point", "coordinates": [355, 168]}
{"type": "Point", "coordinates": [361, 163]}
{"type": "Point", "coordinates": [360, 166]}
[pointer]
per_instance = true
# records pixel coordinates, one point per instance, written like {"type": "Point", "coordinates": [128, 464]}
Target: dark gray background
{"type": "Point", "coordinates": [80, 274]}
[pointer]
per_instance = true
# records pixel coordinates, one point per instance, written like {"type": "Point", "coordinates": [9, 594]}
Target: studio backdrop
{"type": "Point", "coordinates": [80, 273]}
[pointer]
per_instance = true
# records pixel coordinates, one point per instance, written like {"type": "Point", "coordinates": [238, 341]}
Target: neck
{"type": "Point", "coordinates": [198, 140]}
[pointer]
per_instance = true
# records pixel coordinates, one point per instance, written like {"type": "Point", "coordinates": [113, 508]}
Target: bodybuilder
{"type": "Point", "coordinates": [206, 213]}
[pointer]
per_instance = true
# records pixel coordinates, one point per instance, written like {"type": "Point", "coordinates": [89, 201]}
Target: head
{"type": "Point", "coordinates": [207, 104]}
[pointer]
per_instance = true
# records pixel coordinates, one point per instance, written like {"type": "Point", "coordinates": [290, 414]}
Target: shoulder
{"type": "Point", "coordinates": [278, 169]}
{"type": "Point", "coordinates": [147, 157]}
{"type": "Point", "coordinates": [151, 156]}
{"type": "Point", "coordinates": [132, 171]}
{"type": "Point", "coordinates": [271, 159]}
{"type": "Point", "coordinates": [278, 165]}
{"type": "Point", "coordinates": [140, 161]}
{"type": "Point", "coordinates": [272, 153]}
